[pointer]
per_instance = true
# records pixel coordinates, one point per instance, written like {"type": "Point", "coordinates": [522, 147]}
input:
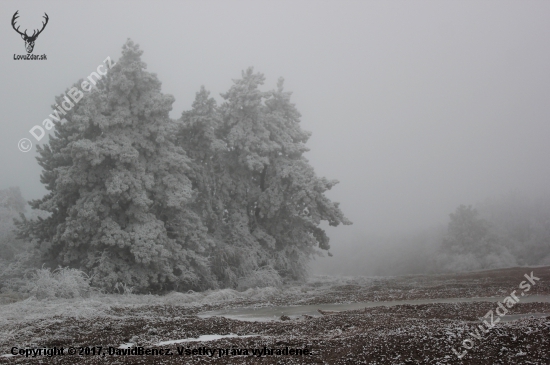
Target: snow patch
{"type": "Point", "coordinates": [128, 345]}
{"type": "Point", "coordinates": [202, 338]}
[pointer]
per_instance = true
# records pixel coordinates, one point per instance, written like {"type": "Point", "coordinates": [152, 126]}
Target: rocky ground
{"type": "Point", "coordinates": [402, 334]}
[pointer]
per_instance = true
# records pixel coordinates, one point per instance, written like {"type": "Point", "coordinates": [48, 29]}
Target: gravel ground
{"type": "Point", "coordinates": [402, 334]}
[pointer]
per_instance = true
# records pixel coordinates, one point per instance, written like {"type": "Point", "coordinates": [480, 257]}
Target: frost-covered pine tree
{"type": "Point", "coordinates": [261, 199]}
{"type": "Point", "coordinates": [120, 199]}
{"type": "Point", "coordinates": [218, 197]}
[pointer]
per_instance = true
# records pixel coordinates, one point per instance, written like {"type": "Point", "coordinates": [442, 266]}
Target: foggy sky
{"type": "Point", "coordinates": [416, 107]}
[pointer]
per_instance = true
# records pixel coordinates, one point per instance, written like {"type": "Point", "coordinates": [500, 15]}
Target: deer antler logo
{"type": "Point", "coordinates": [29, 40]}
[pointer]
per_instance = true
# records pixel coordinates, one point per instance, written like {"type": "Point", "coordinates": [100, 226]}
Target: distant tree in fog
{"type": "Point", "coordinates": [472, 244]}
{"type": "Point", "coordinates": [12, 205]}
{"type": "Point", "coordinates": [466, 232]}
{"type": "Point", "coordinates": [17, 257]}
{"type": "Point", "coordinates": [11, 199]}
{"type": "Point", "coordinates": [523, 223]}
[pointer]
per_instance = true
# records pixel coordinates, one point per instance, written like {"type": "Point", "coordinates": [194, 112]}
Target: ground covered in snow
{"type": "Point", "coordinates": [112, 329]}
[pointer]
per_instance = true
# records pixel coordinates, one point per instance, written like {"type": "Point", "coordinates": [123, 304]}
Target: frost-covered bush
{"type": "Point", "coordinates": [221, 295]}
{"type": "Point", "coordinates": [499, 258]}
{"type": "Point", "coordinates": [13, 273]}
{"type": "Point", "coordinates": [472, 262]}
{"type": "Point", "coordinates": [260, 278]}
{"type": "Point", "coordinates": [122, 288]}
{"type": "Point", "coordinates": [458, 262]}
{"type": "Point", "coordinates": [59, 283]}
{"type": "Point", "coordinates": [8, 297]}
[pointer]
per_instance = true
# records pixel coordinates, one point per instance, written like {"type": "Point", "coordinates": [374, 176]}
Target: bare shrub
{"type": "Point", "coordinates": [124, 289]}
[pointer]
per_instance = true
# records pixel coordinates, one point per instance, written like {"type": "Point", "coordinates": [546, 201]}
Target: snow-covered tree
{"type": "Point", "coordinates": [120, 199]}
{"type": "Point", "coordinates": [261, 198]}
{"type": "Point", "coordinates": [222, 197]}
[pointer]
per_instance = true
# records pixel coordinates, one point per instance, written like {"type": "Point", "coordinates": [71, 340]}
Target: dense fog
{"type": "Point", "coordinates": [417, 108]}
